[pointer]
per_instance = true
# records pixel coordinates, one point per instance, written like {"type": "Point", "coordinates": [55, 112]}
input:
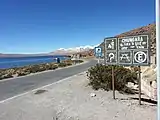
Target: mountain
{"type": "Point", "coordinates": [148, 29]}
{"type": "Point", "coordinates": [62, 51]}
{"type": "Point", "coordinates": [68, 51]}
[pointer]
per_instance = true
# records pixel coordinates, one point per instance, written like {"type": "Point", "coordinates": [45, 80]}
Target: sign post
{"type": "Point", "coordinates": [111, 57]}
{"type": "Point", "coordinates": [113, 84]}
{"type": "Point", "coordinates": [138, 53]}
{"type": "Point", "coordinates": [98, 53]}
{"type": "Point", "coordinates": [127, 51]}
{"type": "Point", "coordinates": [139, 82]}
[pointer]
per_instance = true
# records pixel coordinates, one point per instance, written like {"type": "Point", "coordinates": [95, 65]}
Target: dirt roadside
{"type": "Point", "coordinates": [71, 100]}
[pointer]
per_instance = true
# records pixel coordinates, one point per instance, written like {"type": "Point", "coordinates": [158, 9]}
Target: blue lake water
{"type": "Point", "coordinates": [24, 61]}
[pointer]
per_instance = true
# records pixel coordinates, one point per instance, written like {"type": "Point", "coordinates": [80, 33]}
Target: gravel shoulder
{"type": "Point", "coordinates": [71, 100]}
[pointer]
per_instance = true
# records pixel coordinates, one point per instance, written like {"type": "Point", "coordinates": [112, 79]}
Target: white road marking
{"type": "Point", "coordinates": [16, 96]}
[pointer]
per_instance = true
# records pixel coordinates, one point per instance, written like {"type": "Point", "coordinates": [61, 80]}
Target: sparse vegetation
{"type": "Point", "coordinates": [22, 71]}
{"type": "Point", "coordinates": [62, 65]}
{"type": "Point", "coordinates": [100, 77]}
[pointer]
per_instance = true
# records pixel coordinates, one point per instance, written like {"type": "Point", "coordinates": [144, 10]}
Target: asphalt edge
{"type": "Point", "coordinates": [42, 87]}
{"type": "Point", "coordinates": [47, 71]}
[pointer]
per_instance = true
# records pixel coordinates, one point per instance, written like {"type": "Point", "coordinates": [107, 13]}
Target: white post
{"type": "Point", "coordinates": [158, 55]}
{"type": "Point", "coordinates": [98, 59]}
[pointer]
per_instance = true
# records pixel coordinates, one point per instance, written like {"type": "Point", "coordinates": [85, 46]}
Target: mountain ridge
{"type": "Point", "coordinates": [60, 51]}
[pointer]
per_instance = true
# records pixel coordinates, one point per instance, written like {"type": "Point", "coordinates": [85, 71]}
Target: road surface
{"type": "Point", "coordinates": [20, 85]}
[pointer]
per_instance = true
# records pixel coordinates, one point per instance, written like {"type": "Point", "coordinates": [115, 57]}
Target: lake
{"type": "Point", "coordinates": [11, 62]}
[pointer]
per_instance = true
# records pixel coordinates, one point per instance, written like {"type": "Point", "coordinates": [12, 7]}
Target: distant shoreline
{"type": "Point", "coordinates": [25, 55]}
{"type": "Point", "coordinates": [11, 62]}
{"type": "Point", "coordinates": [26, 70]}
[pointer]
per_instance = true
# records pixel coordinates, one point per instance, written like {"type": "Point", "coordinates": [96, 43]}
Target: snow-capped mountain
{"type": "Point", "coordinates": [78, 49]}
{"type": "Point", "coordinates": [73, 50]}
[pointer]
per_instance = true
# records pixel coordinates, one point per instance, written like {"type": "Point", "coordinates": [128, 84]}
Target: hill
{"type": "Point", "coordinates": [85, 50]}
{"type": "Point", "coordinates": [148, 29]}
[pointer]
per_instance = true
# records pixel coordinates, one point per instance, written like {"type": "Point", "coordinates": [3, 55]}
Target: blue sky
{"type": "Point", "coordinates": [39, 26]}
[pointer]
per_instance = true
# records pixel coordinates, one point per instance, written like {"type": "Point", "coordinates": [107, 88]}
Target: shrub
{"type": "Point", "coordinates": [68, 64]}
{"type": "Point", "coordinates": [62, 64]}
{"type": "Point", "coordinates": [100, 77]}
{"type": "Point", "coordinates": [52, 66]}
{"type": "Point", "coordinates": [35, 68]}
{"type": "Point", "coordinates": [22, 73]}
{"type": "Point", "coordinates": [4, 74]}
{"type": "Point", "coordinates": [77, 61]}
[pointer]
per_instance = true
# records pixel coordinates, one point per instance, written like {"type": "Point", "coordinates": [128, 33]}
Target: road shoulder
{"type": "Point", "coordinates": [71, 100]}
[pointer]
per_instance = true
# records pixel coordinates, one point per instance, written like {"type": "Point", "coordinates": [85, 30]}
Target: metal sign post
{"type": "Point", "coordinates": [137, 53]}
{"type": "Point", "coordinates": [113, 84]}
{"type": "Point", "coordinates": [98, 59]}
{"type": "Point", "coordinates": [139, 82]}
{"type": "Point", "coordinates": [127, 51]}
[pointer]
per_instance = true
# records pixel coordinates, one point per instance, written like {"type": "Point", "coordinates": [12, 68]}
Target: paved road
{"type": "Point", "coordinates": [17, 86]}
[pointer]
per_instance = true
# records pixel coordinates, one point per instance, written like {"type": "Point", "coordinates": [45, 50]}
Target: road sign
{"type": "Point", "coordinates": [130, 50]}
{"type": "Point", "coordinates": [111, 43]}
{"type": "Point", "coordinates": [111, 57]}
{"type": "Point", "coordinates": [140, 57]}
{"type": "Point", "coordinates": [133, 42]}
{"type": "Point", "coordinates": [125, 57]}
{"type": "Point", "coordinates": [98, 51]}
{"type": "Point", "coordinates": [110, 50]}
